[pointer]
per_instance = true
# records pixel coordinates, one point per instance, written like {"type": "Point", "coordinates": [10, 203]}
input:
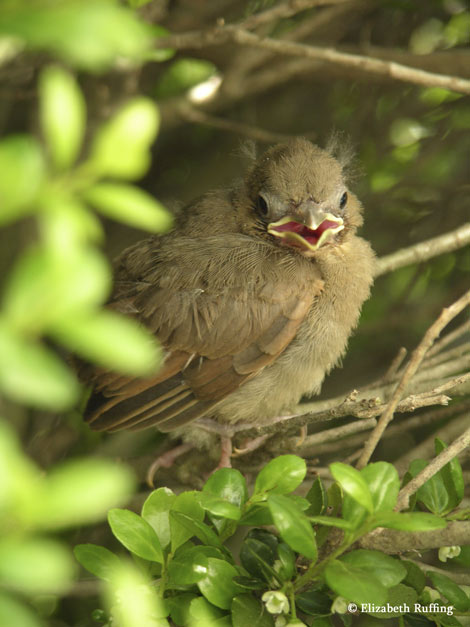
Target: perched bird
{"type": "Point", "coordinates": [253, 296]}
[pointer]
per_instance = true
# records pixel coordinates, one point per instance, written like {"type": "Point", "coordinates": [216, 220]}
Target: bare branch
{"type": "Point", "coordinates": [424, 250]}
{"type": "Point", "coordinates": [434, 466]}
{"type": "Point", "coordinates": [284, 10]}
{"type": "Point", "coordinates": [417, 357]}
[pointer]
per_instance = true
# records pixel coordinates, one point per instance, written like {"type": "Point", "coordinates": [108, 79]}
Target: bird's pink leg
{"type": "Point", "coordinates": [166, 460]}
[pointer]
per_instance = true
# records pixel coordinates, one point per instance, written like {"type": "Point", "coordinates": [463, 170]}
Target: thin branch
{"type": "Point", "coordinates": [284, 10]}
{"type": "Point", "coordinates": [424, 250]}
{"type": "Point", "coordinates": [434, 466]}
{"type": "Point", "coordinates": [417, 357]}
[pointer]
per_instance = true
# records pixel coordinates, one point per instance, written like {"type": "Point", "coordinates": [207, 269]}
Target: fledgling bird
{"type": "Point", "coordinates": [253, 296]}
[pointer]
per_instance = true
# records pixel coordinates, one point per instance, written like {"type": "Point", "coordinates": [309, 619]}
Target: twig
{"type": "Point", "coordinates": [424, 250]}
{"type": "Point", "coordinates": [449, 338]}
{"type": "Point", "coordinates": [338, 432]}
{"type": "Point", "coordinates": [417, 357]}
{"type": "Point", "coordinates": [434, 466]}
{"type": "Point", "coordinates": [394, 366]}
{"type": "Point", "coordinates": [283, 10]}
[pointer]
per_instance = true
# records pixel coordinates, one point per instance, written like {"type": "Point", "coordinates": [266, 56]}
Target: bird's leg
{"type": "Point", "coordinates": [166, 460]}
{"type": "Point", "coordinates": [251, 445]}
{"type": "Point", "coordinates": [225, 453]}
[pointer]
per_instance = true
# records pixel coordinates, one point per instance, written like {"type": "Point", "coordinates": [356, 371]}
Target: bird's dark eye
{"type": "Point", "coordinates": [343, 200]}
{"type": "Point", "coordinates": [262, 206]}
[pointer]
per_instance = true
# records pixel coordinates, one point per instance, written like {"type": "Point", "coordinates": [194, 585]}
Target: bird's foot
{"type": "Point", "coordinates": [166, 460]}
{"type": "Point", "coordinates": [251, 445]}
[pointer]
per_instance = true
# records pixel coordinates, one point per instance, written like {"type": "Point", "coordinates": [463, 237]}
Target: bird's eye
{"type": "Point", "coordinates": [343, 200]}
{"type": "Point", "coordinates": [262, 206]}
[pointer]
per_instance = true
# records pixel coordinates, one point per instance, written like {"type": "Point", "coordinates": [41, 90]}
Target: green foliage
{"type": "Point", "coordinates": [57, 288]}
{"type": "Point", "coordinates": [202, 582]}
{"type": "Point", "coordinates": [32, 506]}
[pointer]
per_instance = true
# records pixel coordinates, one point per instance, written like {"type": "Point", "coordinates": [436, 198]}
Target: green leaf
{"type": "Point", "coordinates": [135, 534]}
{"type": "Point", "coordinates": [452, 477]}
{"type": "Point", "coordinates": [68, 225]}
{"type": "Point", "coordinates": [281, 475]}
{"type": "Point", "coordinates": [228, 484]}
{"type": "Point", "coordinates": [130, 205]}
{"type": "Point", "coordinates": [388, 570]}
{"type": "Point", "coordinates": [33, 375]}
{"type": "Point", "coordinates": [62, 114]}
{"type": "Point", "coordinates": [81, 491]}
{"type": "Point", "coordinates": [293, 526]}
{"type": "Point", "coordinates": [121, 147]}
{"type": "Point", "coordinates": [88, 34]}
{"type": "Point", "coordinates": [257, 515]}
{"type": "Point", "coordinates": [156, 511]}
{"type": "Point", "coordinates": [416, 521]}
{"type": "Point", "coordinates": [219, 507]}
{"type": "Point", "coordinates": [450, 590]}
{"type": "Point", "coordinates": [35, 566]}
{"type": "Point", "coordinates": [258, 559]}
{"type": "Point", "coordinates": [183, 74]}
{"type": "Point", "coordinates": [204, 614]}
{"type": "Point", "coordinates": [110, 340]}
{"type": "Point", "coordinates": [133, 601]}
{"type": "Point", "coordinates": [317, 498]}
{"type": "Point", "coordinates": [12, 612]}
{"type": "Point", "coordinates": [185, 526]}
{"type": "Point", "coordinates": [217, 584]}
{"type": "Point", "coordinates": [246, 610]}
{"type": "Point", "coordinates": [179, 607]}
{"type": "Point", "coordinates": [384, 485]}
{"type": "Point", "coordinates": [433, 494]}
{"type": "Point", "coordinates": [313, 602]}
{"type": "Point", "coordinates": [414, 576]}
{"type": "Point", "coordinates": [287, 558]}
{"type": "Point", "coordinates": [399, 597]}
{"type": "Point", "coordinates": [97, 560]}
{"type": "Point", "coordinates": [189, 565]}
{"type": "Point", "coordinates": [44, 289]}
{"type": "Point", "coordinates": [354, 583]}
{"type": "Point", "coordinates": [353, 483]}
{"type": "Point", "coordinates": [22, 174]}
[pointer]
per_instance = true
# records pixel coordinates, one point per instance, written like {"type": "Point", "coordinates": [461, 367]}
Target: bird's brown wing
{"type": "Point", "coordinates": [222, 311]}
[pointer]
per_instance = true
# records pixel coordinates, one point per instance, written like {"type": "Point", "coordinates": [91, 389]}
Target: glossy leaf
{"type": "Point", "coordinates": [217, 584]}
{"type": "Point", "coordinates": [219, 507]}
{"type": "Point", "coordinates": [183, 74]}
{"type": "Point", "coordinates": [452, 476]}
{"type": "Point", "coordinates": [281, 475]}
{"type": "Point", "coordinates": [121, 146]}
{"type": "Point", "coordinates": [414, 576]}
{"type": "Point", "coordinates": [293, 526]}
{"type": "Point", "coordinates": [258, 559]}
{"type": "Point", "coordinates": [415, 521]}
{"type": "Point", "coordinates": [257, 515]}
{"type": "Point", "coordinates": [313, 602]}
{"type": "Point", "coordinates": [22, 174]}
{"type": "Point", "coordinates": [156, 511]}
{"type": "Point", "coordinates": [384, 485]}
{"type": "Point", "coordinates": [317, 498]}
{"type": "Point", "coordinates": [185, 526]}
{"type": "Point", "coordinates": [62, 115]}
{"type": "Point", "coordinates": [135, 534]}
{"type": "Point", "coordinates": [450, 590]}
{"type": "Point", "coordinates": [287, 560]}
{"type": "Point", "coordinates": [98, 560]}
{"type": "Point", "coordinates": [246, 610]}
{"type": "Point", "coordinates": [353, 484]}
{"type": "Point", "coordinates": [354, 583]}
{"type": "Point", "coordinates": [388, 570]}
{"type": "Point", "coordinates": [130, 205]}
{"type": "Point", "coordinates": [110, 340]}
{"type": "Point", "coordinates": [204, 614]}
{"type": "Point", "coordinates": [433, 494]}
{"type": "Point", "coordinates": [228, 484]}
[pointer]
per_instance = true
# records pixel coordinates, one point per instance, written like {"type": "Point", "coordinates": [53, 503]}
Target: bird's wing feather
{"type": "Point", "coordinates": [223, 309]}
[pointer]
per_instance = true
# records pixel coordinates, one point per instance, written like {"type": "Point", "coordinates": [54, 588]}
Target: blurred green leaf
{"type": "Point", "coordinates": [81, 491]}
{"type": "Point", "coordinates": [33, 565]}
{"type": "Point", "coordinates": [353, 483]}
{"type": "Point", "coordinates": [183, 74]}
{"type": "Point", "coordinates": [31, 374]}
{"type": "Point", "coordinates": [293, 525]}
{"type": "Point", "coordinates": [354, 583]}
{"type": "Point", "coordinates": [450, 590]}
{"type": "Point", "coordinates": [130, 205]}
{"type": "Point", "coordinates": [457, 30]}
{"type": "Point", "coordinates": [12, 612]}
{"type": "Point", "coordinates": [388, 570]}
{"type": "Point", "coordinates": [111, 340]}
{"type": "Point", "coordinates": [156, 53]}
{"type": "Point", "coordinates": [62, 114]}
{"type": "Point", "coordinates": [133, 601]}
{"type": "Point", "coordinates": [190, 565]}
{"type": "Point", "coordinates": [67, 225]}
{"type": "Point", "coordinates": [414, 521]}
{"type": "Point", "coordinates": [43, 289]}
{"type": "Point", "coordinates": [156, 511]}
{"type": "Point", "coordinates": [135, 534]}
{"type": "Point", "coordinates": [98, 560]}
{"type": "Point", "coordinates": [203, 614]}
{"type": "Point", "coordinates": [89, 34]}
{"type": "Point", "coordinates": [452, 476]}
{"type": "Point", "coordinates": [121, 147]}
{"type": "Point", "coordinates": [281, 475]}
{"type": "Point", "coordinates": [21, 176]}
{"type": "Point", "coordinates": [414, 576]}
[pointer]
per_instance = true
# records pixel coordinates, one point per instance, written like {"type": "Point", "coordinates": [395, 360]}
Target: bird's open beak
{"type": "Point", "coordinates": [320, 229]}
